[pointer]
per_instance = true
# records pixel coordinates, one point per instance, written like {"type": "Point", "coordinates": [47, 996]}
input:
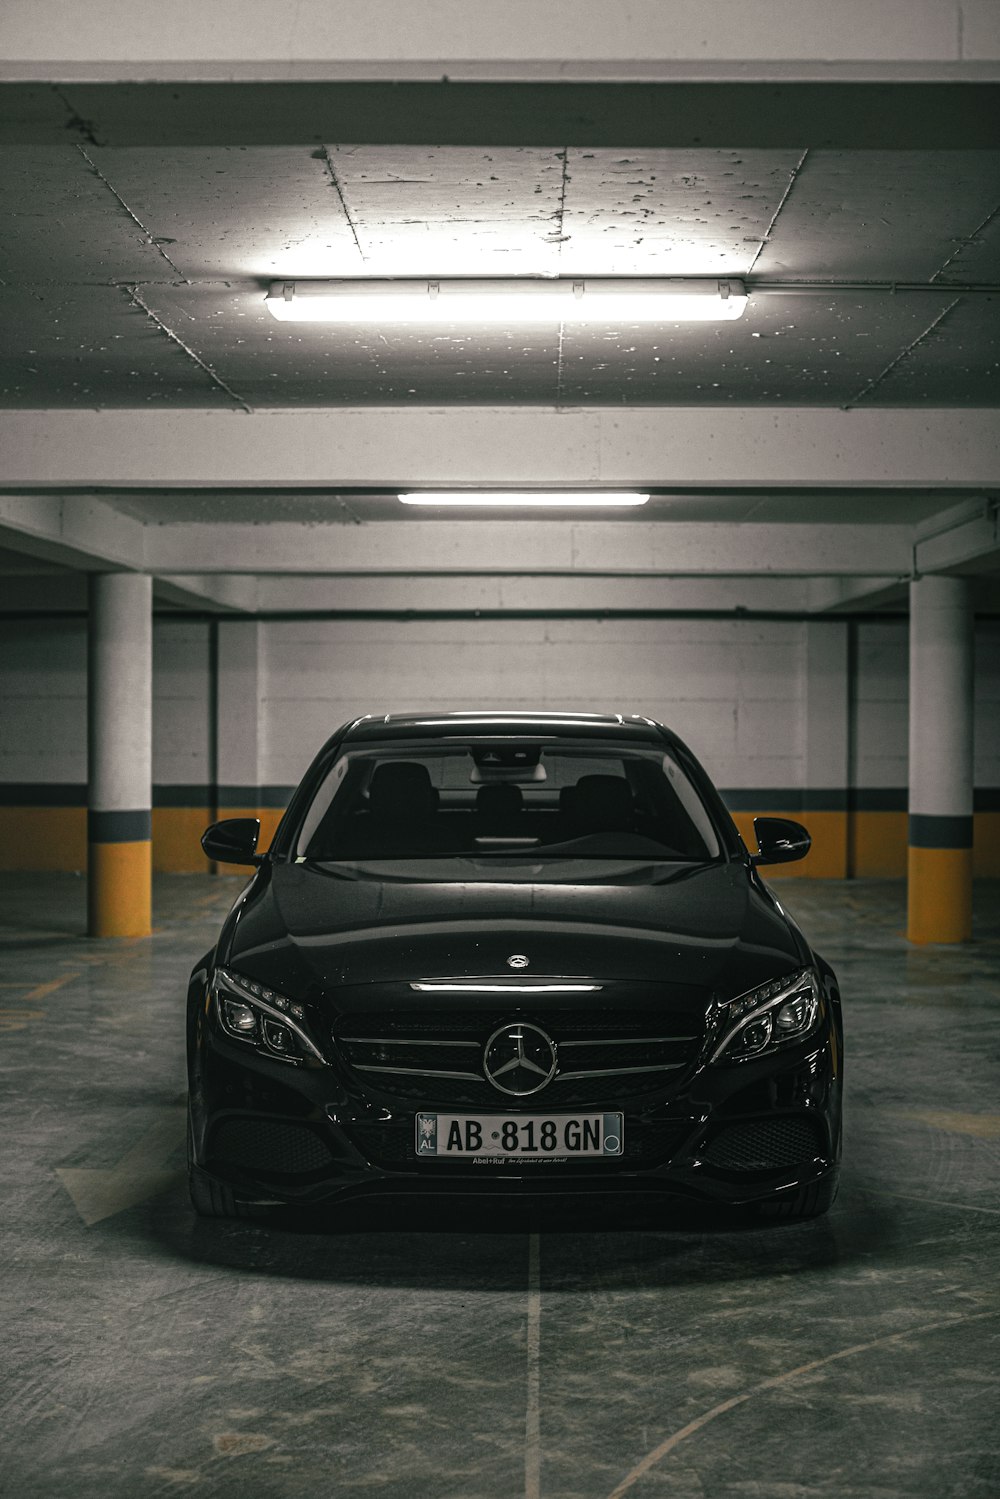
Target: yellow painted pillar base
{"type": "Point", "coordinates": [120, 889]}
{"type": "Point", "coordinates": [939, 894]}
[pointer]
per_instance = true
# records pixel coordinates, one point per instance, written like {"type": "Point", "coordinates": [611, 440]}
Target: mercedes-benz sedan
{"type": "Point", "coordinates": [511, 953]}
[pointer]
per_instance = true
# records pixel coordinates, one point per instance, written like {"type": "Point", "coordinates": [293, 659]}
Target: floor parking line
{"type": "Point", "coordinates": [41, 991]}
{"type": "Point", "coordinates": [938, 1202]}
{"type": "Point", "coordinates": [532, 1419]}
{"type": "Point", "coordinates": [666, 1447]}
{"type": "Point", "coordinates": [20, 1014]}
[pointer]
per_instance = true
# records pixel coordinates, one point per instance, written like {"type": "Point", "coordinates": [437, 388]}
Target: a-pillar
{"type": "Point", "coordinates": [120, 753]}
{"type": "Point", "coordinates": [941, 727]}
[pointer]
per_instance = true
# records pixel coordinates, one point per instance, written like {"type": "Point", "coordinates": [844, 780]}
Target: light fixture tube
{"type": "Point", "coordinates": [522, 499]}
{"type": "Point", "coordinates": [632, 299]}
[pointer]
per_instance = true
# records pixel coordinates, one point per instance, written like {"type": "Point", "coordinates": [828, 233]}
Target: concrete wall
{"type": "Point", "coordinates": [731, 688]}
{"type": "Point", "coordinates": [43, 744]}
{"type": "Point", "coordinates": [183, 742]}
{"type": "Point", "coordinates": [986, 852]}
{"type": "Point", "coordinates": [763, 704]}
{"type": "Point", "coordinates": [879, 746]}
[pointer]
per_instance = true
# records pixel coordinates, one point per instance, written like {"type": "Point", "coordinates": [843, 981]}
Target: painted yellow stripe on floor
{"type": "Point", "coordinates": [41, 991]}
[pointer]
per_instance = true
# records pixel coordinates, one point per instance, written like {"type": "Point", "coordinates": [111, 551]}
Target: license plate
{"type": "Point", "coordinates": [523, 1137]}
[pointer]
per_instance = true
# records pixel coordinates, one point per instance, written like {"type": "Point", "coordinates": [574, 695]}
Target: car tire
{"type": "Point", "coordinates": [211, 1198]}
{"type": "Point", "coordinates": [808, 1202]}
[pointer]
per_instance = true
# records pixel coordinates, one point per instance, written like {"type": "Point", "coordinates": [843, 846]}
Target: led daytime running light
{"type": "Point", "coordinates": [274, 1006]}
{"type": "Point", "coordinates": [762, 1005]}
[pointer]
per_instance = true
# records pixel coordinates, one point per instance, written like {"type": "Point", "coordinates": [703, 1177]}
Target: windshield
{"type": "Point", "coordinates": [525, 801]}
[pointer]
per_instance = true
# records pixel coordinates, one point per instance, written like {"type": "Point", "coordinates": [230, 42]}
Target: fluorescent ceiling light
{"type": "Point", "coordinates": [516, 499]}
{"type": "Point", "coordinates": [631, 299]}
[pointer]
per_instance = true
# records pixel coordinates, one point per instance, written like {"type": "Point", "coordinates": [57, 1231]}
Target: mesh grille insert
{"type": "Point", "coordinates": [265, 1145]}
{"type": "Point", "coordinates": [763, 1145]}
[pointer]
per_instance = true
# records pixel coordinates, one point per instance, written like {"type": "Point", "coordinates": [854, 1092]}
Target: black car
{"type": "Point", "coordinates": [511, 953]}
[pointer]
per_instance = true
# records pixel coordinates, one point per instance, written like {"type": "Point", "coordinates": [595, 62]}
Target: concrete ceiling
{"type": "Point", "coordinates": [144, 223]}
{"type": "Point", "coordinates": [134, 276]}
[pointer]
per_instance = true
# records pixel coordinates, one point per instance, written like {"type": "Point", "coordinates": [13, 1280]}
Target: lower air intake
{"type": "Point", "coordinates": [763, 1145]}
{"type": "Point", "coordinates": [260, 1145]}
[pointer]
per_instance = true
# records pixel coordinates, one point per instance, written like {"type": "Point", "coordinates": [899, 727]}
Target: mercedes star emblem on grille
{"type": "Point", "coordinates": [517, 960]}
{"type": "Point", "coordinates": [519, 1059]}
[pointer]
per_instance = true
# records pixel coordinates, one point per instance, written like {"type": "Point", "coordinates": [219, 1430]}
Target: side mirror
{"type": "Point", "coordinates": [233, 841]}
{"type": "Point", "coordinates": [779, 840]}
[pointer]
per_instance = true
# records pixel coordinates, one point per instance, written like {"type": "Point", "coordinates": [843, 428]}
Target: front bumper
{"type": "Point", "coordinates": [306, 1135]}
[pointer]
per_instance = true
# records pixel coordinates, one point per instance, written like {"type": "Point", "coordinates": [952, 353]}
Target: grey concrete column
{"type": "Point", "coordinates": [119, 754]}
{"type": "Point", "coordinates": [941, 766]}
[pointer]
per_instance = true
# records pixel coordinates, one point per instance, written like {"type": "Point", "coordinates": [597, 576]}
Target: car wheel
{"type": "Point", "coordinates": [808, 1202]}
{"type": "Point", "coordinates": [212, 1199]}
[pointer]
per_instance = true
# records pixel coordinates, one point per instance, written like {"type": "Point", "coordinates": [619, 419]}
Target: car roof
{"type": "Point", "coordinates": [503, 724]}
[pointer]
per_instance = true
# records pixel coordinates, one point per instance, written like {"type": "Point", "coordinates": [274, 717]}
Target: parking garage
{"type": "Point", "coordinates": [225, 531]}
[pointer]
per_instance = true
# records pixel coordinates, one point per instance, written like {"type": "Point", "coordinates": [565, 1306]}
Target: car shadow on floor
{"type": "Point", "coordinates": [448, 1244]}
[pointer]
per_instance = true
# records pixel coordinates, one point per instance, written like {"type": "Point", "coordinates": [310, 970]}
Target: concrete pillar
{"type": "Point", "coordinates": [827, 700]}
{"type": "Point", "coordinates": [120, 745]}
{"type": "Point", "coordinates": [941, 723]}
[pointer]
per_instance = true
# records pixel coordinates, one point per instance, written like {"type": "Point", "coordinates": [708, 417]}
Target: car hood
{"type": "Point", "coordinates": [309, 928]}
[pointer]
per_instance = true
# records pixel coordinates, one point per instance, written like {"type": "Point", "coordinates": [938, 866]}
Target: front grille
{"type": "Point", "coordinates": [646, 1145]}
{"type": "Point", "coordinates": [436, 1058]}
{"type": "Point", "coordinates": [266, 1145]}
{"type": "Point", "coordinates": [763, 1145]}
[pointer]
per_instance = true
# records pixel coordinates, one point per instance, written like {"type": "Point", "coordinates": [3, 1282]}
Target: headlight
{"type": "Point", "coordinates": [786, 1009]}
{"type": "Point", "coordinates": [271, 1022]}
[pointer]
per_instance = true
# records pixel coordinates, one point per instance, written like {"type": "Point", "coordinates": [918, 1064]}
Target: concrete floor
{"type": "Point", "coordinates": [411, 1351]}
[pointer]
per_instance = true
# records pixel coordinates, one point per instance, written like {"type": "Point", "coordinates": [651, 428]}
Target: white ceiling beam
{"type": "Point", "coordinates": [848, 595]}
{"type": "Point", "coordinates": [469, 446]}
{"type": "Point", "coordinates": [226, 594]}
{"type": "Point", "coordinates": [295, 39]}
{"type": "Point", "coordinates": [583, 595]}
{"type": "Point", "coordinates": [505, 547]}
{"type": "Point", "coordinates": [966, 535]}
{"type": "Point", "coordinates": [91, 535]}
{"type": "Point", "coordinates": [78, 531]}
{"type": "Point", "coordinates": [981, 69]}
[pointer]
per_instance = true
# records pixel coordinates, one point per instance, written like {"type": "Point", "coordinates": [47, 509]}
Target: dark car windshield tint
{"type": "Point", "coordinates": [486, 800]}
